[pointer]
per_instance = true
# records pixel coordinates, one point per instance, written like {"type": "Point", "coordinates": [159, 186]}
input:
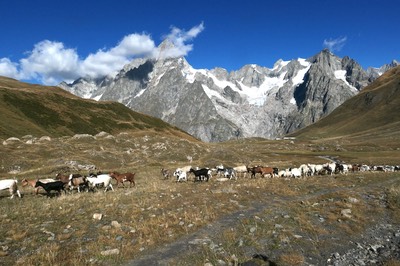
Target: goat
{"type": "Point", "coordinates": [32, 183]}
{"type": "Point", "coordinates": [63, 178]}
{"type": "Point", "coordinates": [229, 173]}
{"type": "Point", "coordinates": [77, 181]}
{"type": "Point", "coordinates": [56, 185]}
{"type": "Point", "coordinates": [241, 169]}
{"type": "Point", "coordinates": [121, 178]}
{"type": "Point", "coordinates": [165, 173]}
{"type": "Point", "coordinates": [103, 179]}
{"type": "Point", "coordinates": [11, 185]}
{"type": "Point", "coordinates": [180, 175]}
{"type": "Point", "coordinates": [201, 174]}
{"type": "Point", "coordinates": [271, 171]}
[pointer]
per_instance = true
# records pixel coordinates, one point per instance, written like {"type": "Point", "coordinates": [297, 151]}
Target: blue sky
{"type": "Point", "coordinates": [47, 41]}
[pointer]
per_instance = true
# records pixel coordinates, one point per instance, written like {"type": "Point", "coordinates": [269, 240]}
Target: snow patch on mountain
{"type": "Point", "coordinates": [299, 78]}
{"type": "Point", "coordinates": [210, 93]}
{"type": "Point", "coordinates": [341, 74]}
{"type": "Point", "coordinates": [279, 65]}
{"type": "Point", "coordinates": [97, 98]}
{"type": "Point", "coordinates": [303, 62]}
{"type": "Point", "coordinates": [257, 95]}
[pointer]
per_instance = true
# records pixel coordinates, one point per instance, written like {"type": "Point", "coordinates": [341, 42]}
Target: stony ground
{"type": "Point", "coordinates": [379, 244]}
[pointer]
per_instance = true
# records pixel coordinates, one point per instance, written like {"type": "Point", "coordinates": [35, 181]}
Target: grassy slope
{"type": "Point", "coordinates": [370, 115]}
{"type": "Point", "coordinates": [27, 109]}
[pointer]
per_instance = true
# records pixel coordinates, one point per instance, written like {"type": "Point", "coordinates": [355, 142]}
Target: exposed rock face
{"type": "Point", "coordinates": [376, 72]}
{"type": "Point", "coordinates": [215, 105]}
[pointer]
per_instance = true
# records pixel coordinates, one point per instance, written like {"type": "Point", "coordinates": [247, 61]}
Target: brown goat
{"type": "Point", "coordinates": [121, 178]}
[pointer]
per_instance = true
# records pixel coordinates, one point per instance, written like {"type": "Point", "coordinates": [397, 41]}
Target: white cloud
{"type": "Point", "coordinates": [335, 44]}
{"type": "Point", "coordinates": [8, 68]}
{"type": "Point", "coordinates": [50, 62]}
{"type": "Point", "coordinates": [179, 39]}
{"type": "Point", "coordinates": [106, 62]}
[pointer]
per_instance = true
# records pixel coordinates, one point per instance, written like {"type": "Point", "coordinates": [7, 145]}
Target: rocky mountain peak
{"type": "Point", "coordinates": [214, 105]}
{"type": "Point", "coordinates": [327, 60]}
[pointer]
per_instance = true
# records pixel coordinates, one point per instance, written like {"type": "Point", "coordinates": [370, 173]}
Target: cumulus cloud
{"type": "Point", "coordinates": [335, 44]}
{"type": "Point", "coordinates": [50, 62]}
{"type": "Point", "coordinates": [108, 62]}
{"type": "Point", "coordinates": [8, 68]}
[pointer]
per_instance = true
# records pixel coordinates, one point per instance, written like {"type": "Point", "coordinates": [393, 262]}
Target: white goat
{"type": "Point", "coordinates": [11, 185]}
{"type": "Point", "coordinates": [103, 179]}
{"type": "Point", "coordinates": [180, 175]}
{"type": "Point", "coordinates": [295, 172]}
{"type": "Point", "coordinates": [241, 169]}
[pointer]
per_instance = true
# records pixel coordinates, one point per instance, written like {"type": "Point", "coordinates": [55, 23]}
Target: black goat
{"type": "Point", "coordinates": [202, 174]}
{"type": "Point", "coordinates": [56, 185]}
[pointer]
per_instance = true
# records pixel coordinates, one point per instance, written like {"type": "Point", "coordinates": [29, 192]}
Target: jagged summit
{"type": "Point", "coordinates": [166, 44]}
{"type": "Point", "coordinates": [214, 105]}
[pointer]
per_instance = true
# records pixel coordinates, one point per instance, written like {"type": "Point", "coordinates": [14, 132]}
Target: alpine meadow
{"type": "Point", "coordinates": [320, 147]}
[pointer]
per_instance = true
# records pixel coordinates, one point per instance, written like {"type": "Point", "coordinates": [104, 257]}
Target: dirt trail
{"type": "Point", "coordinates": [187, 244]}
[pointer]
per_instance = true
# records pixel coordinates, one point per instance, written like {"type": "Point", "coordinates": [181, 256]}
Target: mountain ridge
{"type": "Point", "coordinates": [28, 109]}
{"type": "Point", "coordinates": [217, 105]}
{"type": "Point", "coordinates": [373, 113]}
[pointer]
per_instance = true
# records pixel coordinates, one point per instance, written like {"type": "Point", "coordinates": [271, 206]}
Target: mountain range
{"type": "Point", "coordinates": [217, 105]}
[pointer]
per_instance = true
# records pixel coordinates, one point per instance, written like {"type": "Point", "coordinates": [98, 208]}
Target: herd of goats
{"type": "Point", "coordinates": [100, 180]}
{"type": "Point", "coordinates": [70, 182]}
{"type": "Point", "coordinates": [227, 173]}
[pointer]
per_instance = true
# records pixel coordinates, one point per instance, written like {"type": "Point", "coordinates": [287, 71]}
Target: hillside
{"type": "Point", "coordinates": [27, 109]}
{"type": "Point", "coordinates": [373, 114]}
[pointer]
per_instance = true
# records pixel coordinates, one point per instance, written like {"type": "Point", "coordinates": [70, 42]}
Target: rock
{"type": "Point", "coordinates": [11, 140]}
{"type": "Point", "coordinates": [109, 252]}
{"type": "Point", "coordinates": [97, 216]}
{"type": "Point", "coordinates": [115, 224]}
{"type": "Point", "coordinates": [353, 200]}
{"type": "Point", "coordinates": [346, 213]}
{"type": "Point", "coordinates": [278, 226]}
{"type": "Point", "coordinates": [45, 138]}
{"type": "Point", "coordinates": [83, 136]}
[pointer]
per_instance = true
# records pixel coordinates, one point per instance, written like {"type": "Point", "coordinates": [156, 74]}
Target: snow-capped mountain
{"type": "Point", "coordinates": [215, 105]}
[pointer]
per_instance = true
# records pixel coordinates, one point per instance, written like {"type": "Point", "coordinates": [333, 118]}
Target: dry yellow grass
{"type": "Point", "coordinates": [284, 214]}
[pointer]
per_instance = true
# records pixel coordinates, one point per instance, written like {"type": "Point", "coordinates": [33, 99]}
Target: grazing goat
{"type": "Point", "coordinates": [121, 178]}
{"type": "Point", "coordinates": [11, 185]}
{"type": "Point", "coordinates": [32, 183]}
{"type": "Point", "coordinates": [56, 185]}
